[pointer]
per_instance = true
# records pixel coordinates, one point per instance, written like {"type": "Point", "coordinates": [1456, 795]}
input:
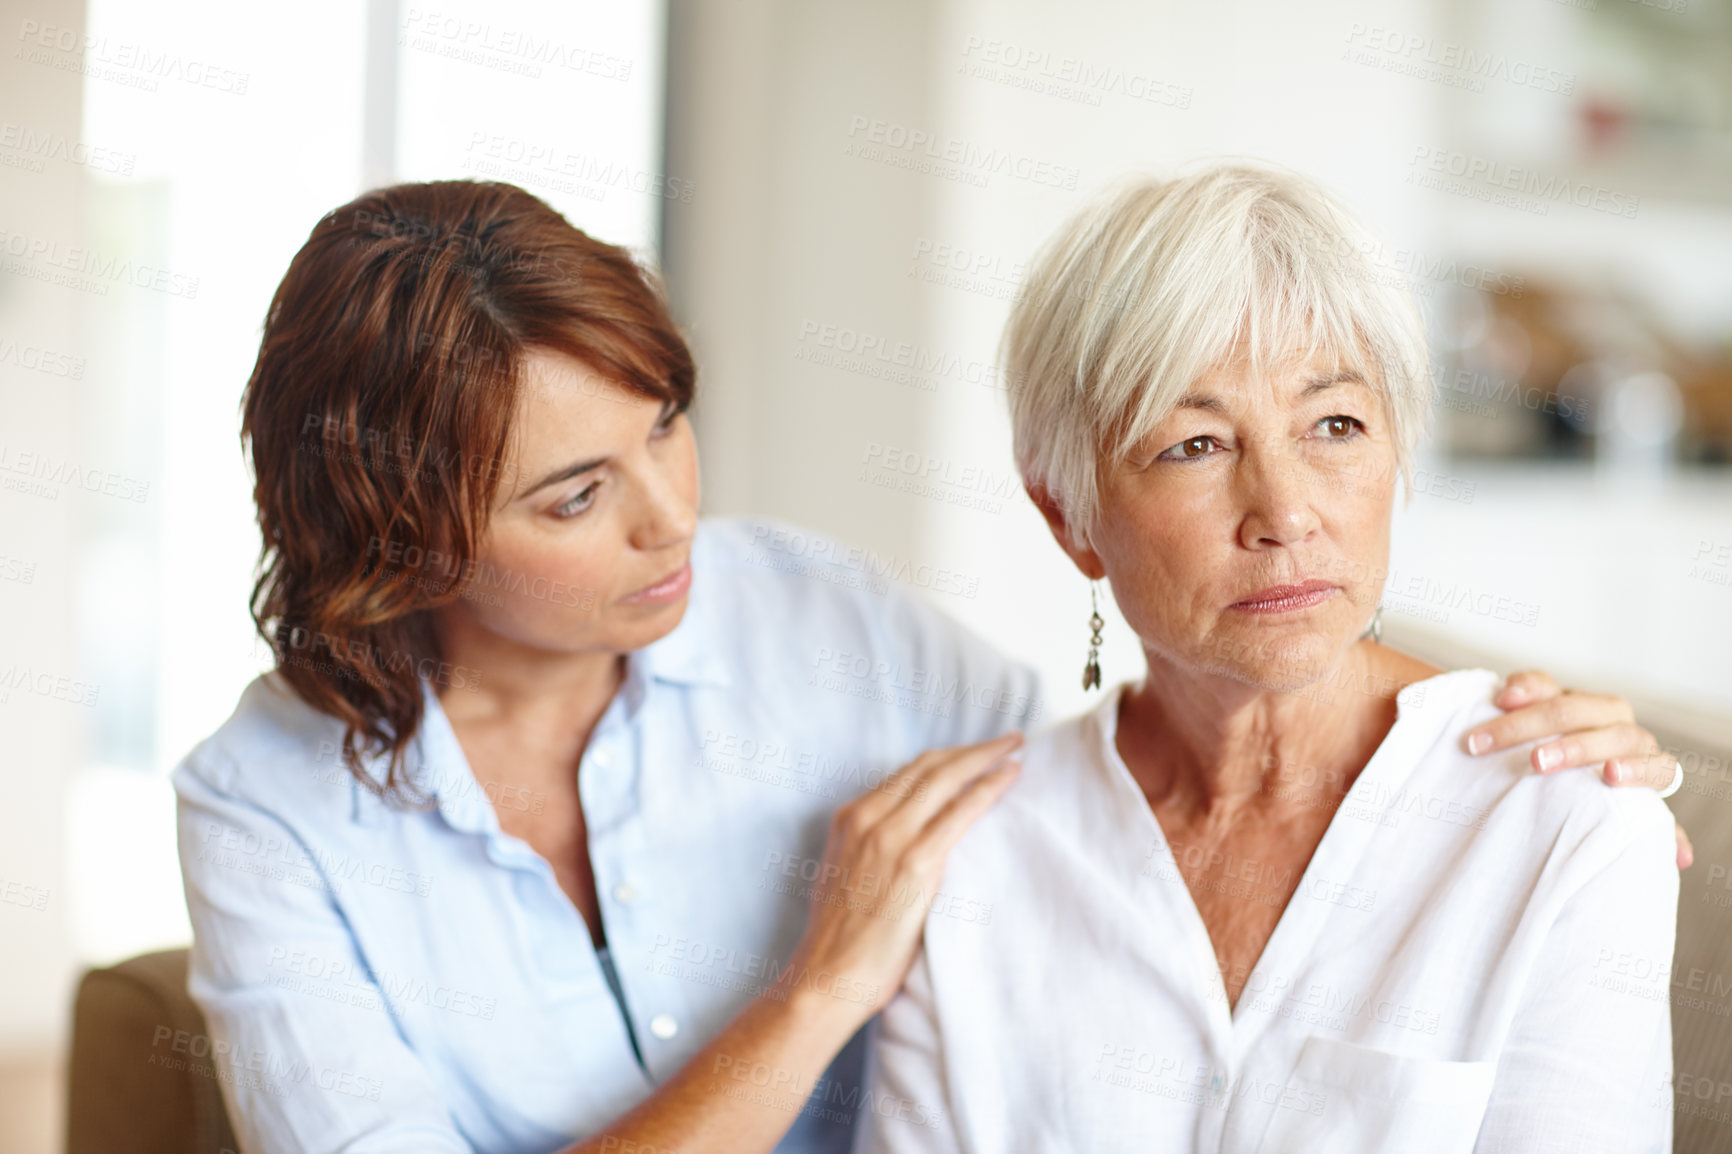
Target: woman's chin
{"type": "Point", "coordinates": [645, 624]}
{"type": "Point", "coordinates": [1294, 663]}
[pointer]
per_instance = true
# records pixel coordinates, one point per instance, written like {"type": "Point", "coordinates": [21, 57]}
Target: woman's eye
{"type": "Point", "coordinates": [666, 424]}
{"type": "Point", "coordinates": [1339, 428]}
{"type": "Point", "coordinates": [1191, 449]}
{"type": "Point", "coordinates": [579, 503]}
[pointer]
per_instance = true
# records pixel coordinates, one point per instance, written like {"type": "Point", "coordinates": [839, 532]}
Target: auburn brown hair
{"type": "Point", "coordinates": [379, 414]}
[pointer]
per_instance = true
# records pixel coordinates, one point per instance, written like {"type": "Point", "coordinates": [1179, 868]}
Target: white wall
{"type": "Point", "coordinates": [788, 238]}
{"type": "Point", "coordinates": [40, 737]}
{"type": "Point", "coordinates": [1078, 94]}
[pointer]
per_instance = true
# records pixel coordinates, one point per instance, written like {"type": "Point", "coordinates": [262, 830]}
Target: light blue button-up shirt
{"type": "Point", "coordinates": [377, 978]}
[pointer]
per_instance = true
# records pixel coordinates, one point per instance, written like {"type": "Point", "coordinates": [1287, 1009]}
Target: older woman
{"type": "Point", "coordinates": [1279, 907]}
{"type": "Point", "coordinates": [567, 816]}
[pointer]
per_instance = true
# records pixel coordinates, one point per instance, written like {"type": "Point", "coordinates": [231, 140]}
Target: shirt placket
{"type": "Point", "coordinates": [626, 885]}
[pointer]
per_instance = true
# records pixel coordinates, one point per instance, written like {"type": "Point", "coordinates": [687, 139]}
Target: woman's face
{"type": "Point", "coordinates": [1248, 536]}
{"type": "Point", "coordinates": [590, 541]}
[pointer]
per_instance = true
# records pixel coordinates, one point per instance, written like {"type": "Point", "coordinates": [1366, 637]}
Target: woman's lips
{"type": "Point", "coordinates": [1286, 598]}
{"type": "Point", "coordinates": [669, 588]}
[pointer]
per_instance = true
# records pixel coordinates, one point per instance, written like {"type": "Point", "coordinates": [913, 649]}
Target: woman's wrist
{"type": "Point", "coordinates": [827, 1007]}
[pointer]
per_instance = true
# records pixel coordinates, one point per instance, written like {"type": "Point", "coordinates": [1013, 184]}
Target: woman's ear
{"type": "Point", "coordinates": [1082, 555]}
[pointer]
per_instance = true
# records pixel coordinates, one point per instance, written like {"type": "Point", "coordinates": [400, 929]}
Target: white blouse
{"type": "Point", "coordinates": [1476, 959]}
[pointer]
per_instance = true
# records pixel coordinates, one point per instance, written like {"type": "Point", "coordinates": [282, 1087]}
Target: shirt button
{"type": "Point", "coordinates": [663, 1026]}
{"type": "Point", "coordinates": [625, 893]}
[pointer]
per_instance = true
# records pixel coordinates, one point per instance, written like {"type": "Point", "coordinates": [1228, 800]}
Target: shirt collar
{"type": "Point", "coordinates": [445, 773]}
{"type": "Point", "coordinates": [693, 654]}
{"type": "Point", "coordinates": [435, 765]}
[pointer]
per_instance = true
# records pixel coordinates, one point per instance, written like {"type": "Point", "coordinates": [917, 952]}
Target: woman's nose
{"type": "Point", "coordinates": [1278, 497]}
{"type": "Point", "coordinates": [666, 517]}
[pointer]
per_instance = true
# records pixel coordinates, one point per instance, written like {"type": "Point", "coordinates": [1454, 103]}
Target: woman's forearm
{"type": "Point", "coordinates": [883, 860]}
{"type": "Point", "coordinates": [741, 1093]}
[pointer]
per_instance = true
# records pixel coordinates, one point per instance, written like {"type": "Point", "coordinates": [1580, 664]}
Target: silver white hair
{"type": "Point", "coordinates": [1147, 289]}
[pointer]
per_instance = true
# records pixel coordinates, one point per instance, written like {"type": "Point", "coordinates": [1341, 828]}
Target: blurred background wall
{"type": "Point", "coordinates": [843, 197]}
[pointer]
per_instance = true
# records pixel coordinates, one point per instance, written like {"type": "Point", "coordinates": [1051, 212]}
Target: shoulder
{"type": "Point", "coordinates": [777, 593]}
{"type": "Point", "coordinates": [1403, 669]}
{"type": "Point", "coordinates": [758, 560]}
{"type": "Point", "coordinates": [1066, 796]}
{"type": "Point", "coordinates": [769, 561]}
{"type": "Point", "coordinates": [1573, 818]}
{"type": "Point", "coordinates": [271, 751]}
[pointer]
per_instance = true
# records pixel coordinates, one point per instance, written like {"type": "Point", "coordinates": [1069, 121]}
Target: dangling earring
{"type": "Point", "coordinates": [1092, 671]}
{"type": "Point", "coordinates": [1374, 631]}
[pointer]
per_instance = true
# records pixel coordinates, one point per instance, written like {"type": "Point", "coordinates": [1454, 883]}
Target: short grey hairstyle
{"type": "Point", "coordinates": [1147, 289]}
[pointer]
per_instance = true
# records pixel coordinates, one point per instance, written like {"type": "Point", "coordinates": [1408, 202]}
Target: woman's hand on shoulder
{"type": "Point", "coordinates": [1583, 729]}
{"type": "Point", "coordinates": [882, 865]}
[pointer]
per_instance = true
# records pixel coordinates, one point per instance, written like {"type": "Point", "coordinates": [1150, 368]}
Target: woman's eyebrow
{"type": "Point", "coordinates": [1208, 402]}
{"type": "Point", "coordinates": [1318, 384]}
{"type": "Point", "coordinates": [564, 474]}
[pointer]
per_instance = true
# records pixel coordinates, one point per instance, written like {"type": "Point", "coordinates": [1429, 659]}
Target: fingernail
{"type": "Point", "coordinates": [1479, 743]}
{"type": "Point", "coordinates": [1614, 773]}
{"type": "Point", "coordinates": [1547, 756]}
